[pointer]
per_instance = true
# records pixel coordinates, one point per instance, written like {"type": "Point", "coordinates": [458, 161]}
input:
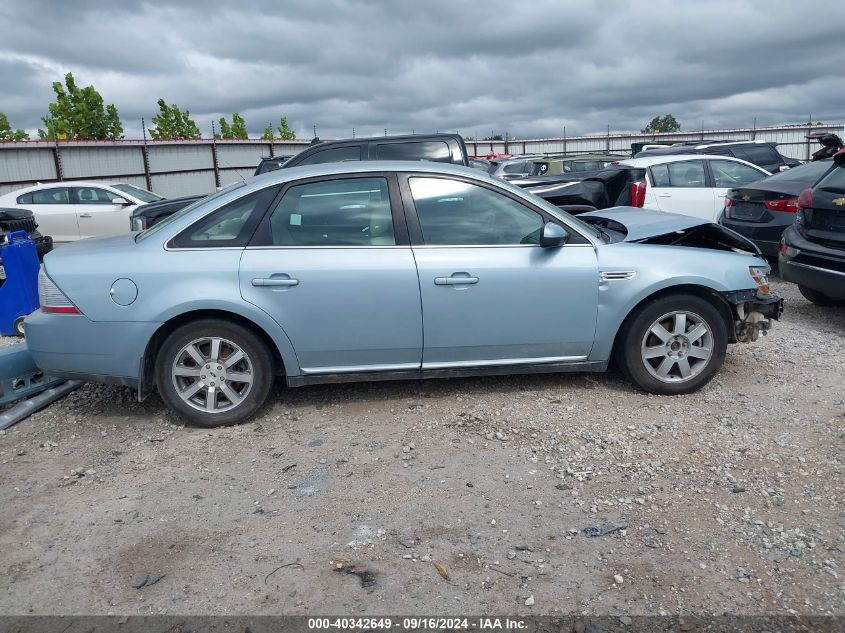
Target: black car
{"type": "Point", "coordinates": [761, 153]}
{"type": "Point", "coordinates": [615, 185]}
{"type": "Point", "coordinates": [438, 148]}
{"type": "Point", "coordinates": [762, 210]}
{"type": "Point", "coordinates": [812, 253]}
{"type": "Point", "coordinates": [146, 215]}
{"type": "Point", "coordinates": [24, 220]}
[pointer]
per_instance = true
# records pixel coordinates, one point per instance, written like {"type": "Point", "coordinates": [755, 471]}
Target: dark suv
{"type": "Point", "coordinates": [761, 153]}
{"type": "Point", "coordinates": [438, 148]}
{"type": "Point", "coordinates": [812, 252]}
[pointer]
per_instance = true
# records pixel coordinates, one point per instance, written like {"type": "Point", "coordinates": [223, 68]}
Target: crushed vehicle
{"type": "Point", "coordinates": [150, 214]}
{"type": "Point", "coordinates": [387, 270]}
{"type": "Point", "coordinates": [761, 153]}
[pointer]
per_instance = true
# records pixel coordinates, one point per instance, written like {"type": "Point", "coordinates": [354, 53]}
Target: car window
{"type": "Point", "coordinates": [230, 225]}
{"type": "Point", "coordinates": [514, 168]}
{"type": "Point", "coordinates": [452, 212]}
{"type": "Point", "coordinates": [342, 212]}
{"type": "Point", "coordinates": [333, 155]}
{"type": "Point", "coordinates": [834, 181]}
{"type": "Point", "coordinates": [808, 173]}
{"type": "Point", "coordinates": [727, 173]}
{"type": "Point", "coordinates": [432, 151]}
{"type": "Point", "coordinates": [94, 195]}
{"type": "Point", "coordinates": [688, 173]}
{"type": "Point", "coordinates": [136, 192]}
{"type": "Point", "coordinates": [58, 195]}
{"type": "Point", "coordinates": [761, 154]}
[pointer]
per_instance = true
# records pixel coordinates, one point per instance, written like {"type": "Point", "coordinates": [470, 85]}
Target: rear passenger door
{"type": "Point", "coordinates": [55, 214]}
{"type": "Point", "coordinates": [682, 187]}
{"type": "Point", "coordinates": [332, 264]}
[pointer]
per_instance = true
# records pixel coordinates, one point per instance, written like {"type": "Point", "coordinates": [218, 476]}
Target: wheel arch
{"type": "Point", "coordinates": [283, 361]}
{"type": "Point", "coordinates": [708, 294]}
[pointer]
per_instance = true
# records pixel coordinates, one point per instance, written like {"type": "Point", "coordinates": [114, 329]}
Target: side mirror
{"type": "Point", "coordinates": [121, 201]}
{"type": "Point", "coordinates": [783, 168]}
{"type": "Point", "coordinates": [553, 235]}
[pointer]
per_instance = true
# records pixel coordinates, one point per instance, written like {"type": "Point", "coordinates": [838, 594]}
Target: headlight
{"type": "Point", "coordinates": [760, 275]}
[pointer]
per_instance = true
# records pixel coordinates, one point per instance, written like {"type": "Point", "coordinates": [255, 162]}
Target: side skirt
{"type": "Point", "coordinates": [462, 372]}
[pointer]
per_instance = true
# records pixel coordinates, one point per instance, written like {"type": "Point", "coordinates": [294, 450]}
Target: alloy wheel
{"type": "Point", "coordinates": [212, 374]}
{"type": "Point", "coordinates": [677, 346]}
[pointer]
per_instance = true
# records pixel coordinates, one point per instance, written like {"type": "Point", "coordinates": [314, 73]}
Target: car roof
{"type": "Point", "coordinates": [648, 161]}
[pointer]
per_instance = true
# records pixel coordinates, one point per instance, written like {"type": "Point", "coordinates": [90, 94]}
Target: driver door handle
{"type": "Point", "coordinates": [664, 195]}
{"type": "Point", "coordinates": [455, 280]}
{"type": "Point", "coordinates": [274, 281]}
{"type": "Point", "coordinates": [84, 215]}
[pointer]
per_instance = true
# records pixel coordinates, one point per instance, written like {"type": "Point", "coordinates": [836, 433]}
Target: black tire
{"type": "Point", "coordinates": [257, 363]}
{"type": "Point", "coordinates": [635, 336]}
{"type": "Point", "coordinates": [820, 299]}
{"type": "Point", "coordinates": [20, 328]}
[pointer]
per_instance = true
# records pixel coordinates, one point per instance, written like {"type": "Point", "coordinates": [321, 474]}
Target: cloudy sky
{"type": "Point", "coordinates": [474, 66]}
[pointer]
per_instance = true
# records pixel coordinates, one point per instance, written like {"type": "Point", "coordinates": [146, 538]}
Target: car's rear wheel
{"type": "Point", "coordinates": [19, 326]}
{"type": "Point", "coordinates": [673, 345]}
{"type": "Point", "coordinates": [820, 299]}
{"type": "Point", "coordinates": [214, 372]}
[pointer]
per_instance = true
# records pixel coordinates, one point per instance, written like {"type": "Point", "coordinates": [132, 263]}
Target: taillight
{"type": "Point", "coordinates": [52, 299]}
{"type": "Point", "coordinates": [789, 205]}
{"type": "Point", "coordinates": [805, 200]}
{"type": "Point", "coordinates": [638, 193]}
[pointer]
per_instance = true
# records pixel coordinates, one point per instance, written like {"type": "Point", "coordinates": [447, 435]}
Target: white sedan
{"type": "Point", "coordinates": [690, 184]}
{"type": "Point", "coordinates": [68, 211]}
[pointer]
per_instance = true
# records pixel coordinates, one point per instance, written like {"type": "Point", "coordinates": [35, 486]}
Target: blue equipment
{"type": "Point", "coordinates": [19, 291]}
{"type": "Point", "coordinates": [19, 377]}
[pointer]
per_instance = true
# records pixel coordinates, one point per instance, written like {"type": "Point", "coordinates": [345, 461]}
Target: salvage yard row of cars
{"type": "Point", "coordinates": [374, 259]}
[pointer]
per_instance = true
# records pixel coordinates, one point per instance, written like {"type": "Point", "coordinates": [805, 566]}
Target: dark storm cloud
{"type": "Point", "coordinates": [529, 68]}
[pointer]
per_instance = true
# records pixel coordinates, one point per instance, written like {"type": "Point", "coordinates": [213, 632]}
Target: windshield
{"type": "Point", "coordinates": [136, 192]}
{"type": "Point", "coordinates": [181, 212]}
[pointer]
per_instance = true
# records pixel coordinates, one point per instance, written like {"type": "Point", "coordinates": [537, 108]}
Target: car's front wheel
{"type": "Point", "coordinates": [818, 298]}
{"type": "Point", "coordinates": [673, 344]}
{"type": "Point", "coordinates": [213, 372]}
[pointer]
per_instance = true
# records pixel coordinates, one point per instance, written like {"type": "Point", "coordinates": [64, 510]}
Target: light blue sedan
{"type": "Point", "coordinates": [389, 270]}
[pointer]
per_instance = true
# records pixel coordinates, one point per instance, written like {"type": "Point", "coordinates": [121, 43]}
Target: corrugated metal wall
{"type": "Point", "coordinates": [170, 168]}
{"type": "Point", "coordinates": [178, 168]}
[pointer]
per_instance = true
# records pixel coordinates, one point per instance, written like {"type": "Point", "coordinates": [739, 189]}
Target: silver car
{"type": "Point", "coordinates": [389, 270]}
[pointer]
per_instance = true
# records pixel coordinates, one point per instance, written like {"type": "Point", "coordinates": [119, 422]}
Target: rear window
{"type": "Point", "coordinates": [333, 155]}
{"type": "Point", "coordinates": [809, 173]}
{"type": "Point", "coordinates": [432, 151]}
{"type": "Point", "coordinates": [59, 195]}
{"type": "Point", "coordinates": [835, 181]}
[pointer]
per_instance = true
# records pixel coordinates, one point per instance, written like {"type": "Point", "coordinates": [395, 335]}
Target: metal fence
{"type": "Point", "coordinates": [170, 168]}
{"type": "Point", "coordinates": [176, 168]}
{"type": "Point", "coordinates": [791, 140]}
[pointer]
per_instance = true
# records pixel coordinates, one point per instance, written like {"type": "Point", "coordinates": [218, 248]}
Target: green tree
{"type": "Point", "coordinates": [495, 137]}
{"type": "Point", "coordinates": [79, 113]}
{"type": "Point", "coordinates": [268, 133]}
{"type": "Point", "coordinates": [236, 130]}
{"type": "Point", "coordinates": [667, 123]}
{"type": "Point", "coordinates": [171, 122]}
{"type": "Point", "coordinates": [285, 132]}
{"type": "Point", "coordinates": [7, 133]}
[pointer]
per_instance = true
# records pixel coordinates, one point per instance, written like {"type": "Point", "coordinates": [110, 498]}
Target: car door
{"type": "Point", "coordinates": [490, 294]}
{"type": "Point", "coordinates": [97, 213]}
{"type": "Point", "coordinates": [331, 263]}
{"type": "Point", "coordinates": [682, 187]}
{"type": "Point", "coordinates": [729, 174]}
{"type": "Point", "coordinates": [54, 213]}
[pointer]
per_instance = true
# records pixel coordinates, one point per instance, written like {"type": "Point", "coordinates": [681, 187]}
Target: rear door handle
{"type": "Point", "coordinates": [84, 215]}
{"type": "Point", "coordinates": [664, 195]}
{"type": "Point", "coordinates": [457, 279]}
{"type": "Point", "coordinates": [273, 281]}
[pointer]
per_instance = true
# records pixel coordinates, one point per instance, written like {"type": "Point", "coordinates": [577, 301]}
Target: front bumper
{"type": "Point", "coordinates": [74, 346]}
{"type": "Point", "coordinates": [814, 266]}
{"type": "Point", "coordinates": [753, 312]}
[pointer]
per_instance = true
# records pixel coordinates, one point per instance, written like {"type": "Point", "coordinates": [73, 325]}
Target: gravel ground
{"type": "Point", "coordinates": [340, 499]}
